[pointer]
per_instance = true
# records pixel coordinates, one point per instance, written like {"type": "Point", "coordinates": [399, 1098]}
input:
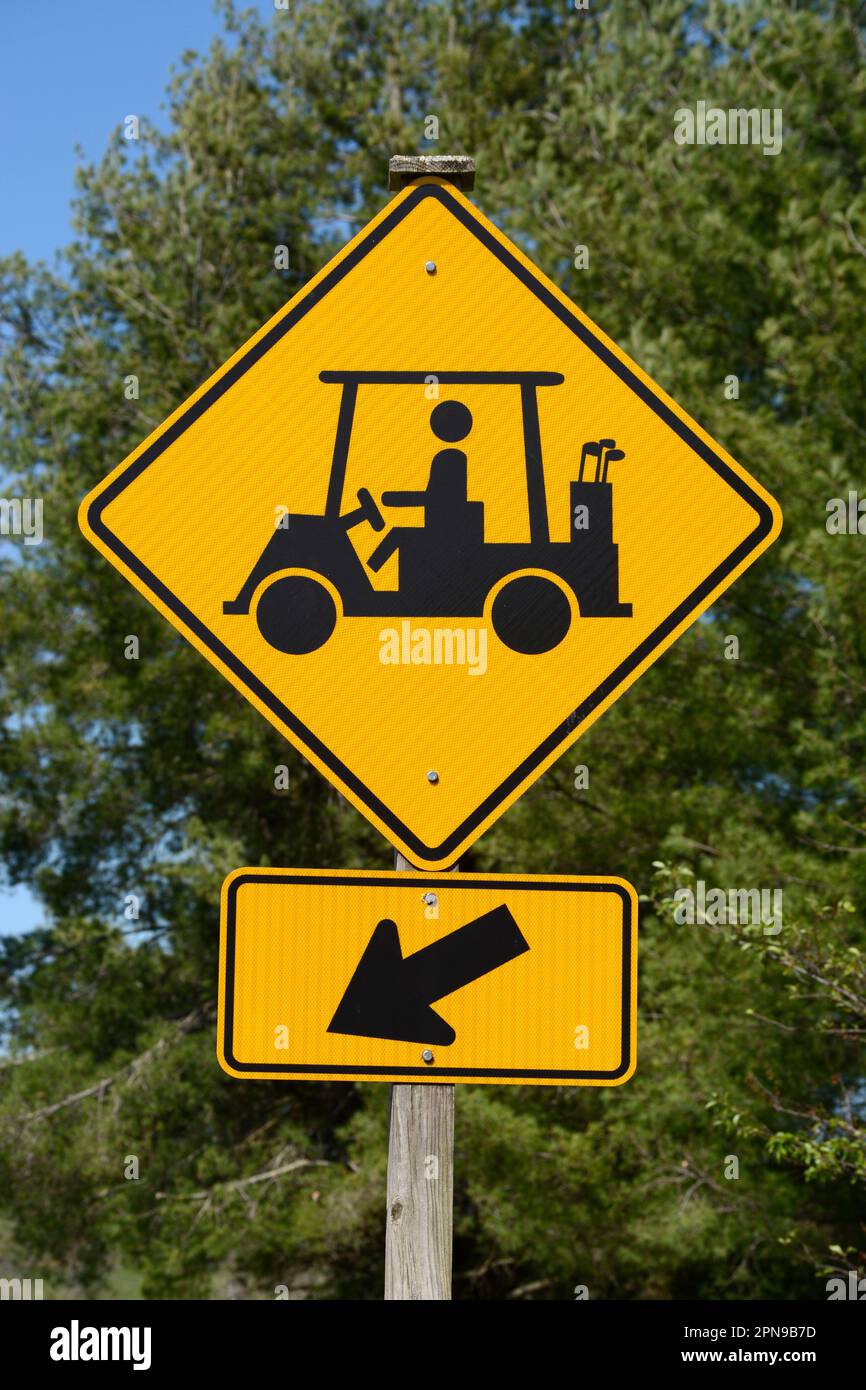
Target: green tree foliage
{"type": "Point", "coordinates": [153, 778]}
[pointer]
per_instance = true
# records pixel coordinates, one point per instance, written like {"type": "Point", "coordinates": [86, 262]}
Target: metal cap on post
{"type": "Point", "coordinates": [404, 169]}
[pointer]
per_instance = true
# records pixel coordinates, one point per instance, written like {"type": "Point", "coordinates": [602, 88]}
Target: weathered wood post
{"type": "Point", "coordinates": [420, 1203]}
{"type": "Point", "coordinates": [420, 1206]}
{"type": "Point", "coordinates": [418, 1233]}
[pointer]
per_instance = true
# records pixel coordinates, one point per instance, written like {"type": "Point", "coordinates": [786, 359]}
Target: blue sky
{"type": "Point", "coordinates": [70, 70]}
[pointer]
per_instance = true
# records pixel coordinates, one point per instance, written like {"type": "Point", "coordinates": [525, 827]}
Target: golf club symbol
{"type": "Point", "coordinates": [605, 452]}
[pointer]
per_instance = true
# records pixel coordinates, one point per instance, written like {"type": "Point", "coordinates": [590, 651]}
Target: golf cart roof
{"type": "Point", "coordinates": [446, 378]}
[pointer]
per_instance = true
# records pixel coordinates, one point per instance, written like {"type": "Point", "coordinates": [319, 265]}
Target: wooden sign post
{"type": "Point", "coordinates": [420, 1203]}
{"type": "Point", "coordinates": [419, 1224]}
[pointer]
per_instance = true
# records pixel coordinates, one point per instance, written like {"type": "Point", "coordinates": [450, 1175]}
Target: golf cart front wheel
{"type": "Point", "coordinates": [531, 614]}
{"type": "Point", "coordinates": [296, 615]}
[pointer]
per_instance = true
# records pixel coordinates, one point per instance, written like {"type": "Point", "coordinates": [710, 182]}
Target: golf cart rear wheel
{"type": "Point", "coordinates": [296, 614]}
{"type": "Point", "coordinates": [531, 614]}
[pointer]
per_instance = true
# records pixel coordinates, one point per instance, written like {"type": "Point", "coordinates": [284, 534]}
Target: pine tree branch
{"type": "Point", "coordinates": [237, 1183]}
{"type": "Point", "coordinates": [190, 1024]}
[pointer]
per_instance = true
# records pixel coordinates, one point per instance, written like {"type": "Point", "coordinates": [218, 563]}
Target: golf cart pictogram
{"type": "Point", "coordinates": [446, 568]}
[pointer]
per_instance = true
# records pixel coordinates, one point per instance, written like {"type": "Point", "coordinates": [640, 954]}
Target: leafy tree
{"type": "Point", "coordinates": [153, 778]}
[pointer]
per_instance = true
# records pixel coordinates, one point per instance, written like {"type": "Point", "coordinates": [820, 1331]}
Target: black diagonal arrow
{"type": "Point", "coordinates": [389, 995]}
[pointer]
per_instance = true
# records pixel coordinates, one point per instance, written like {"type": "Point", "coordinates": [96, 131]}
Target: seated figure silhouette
{"type": "Point", "coordinates": [447, 512]}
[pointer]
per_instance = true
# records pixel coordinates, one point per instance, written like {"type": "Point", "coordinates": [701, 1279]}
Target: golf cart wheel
{"type": "Point", "coordinates": [531, 615]}
{"type": "Point", "coordinates": [296, 614]}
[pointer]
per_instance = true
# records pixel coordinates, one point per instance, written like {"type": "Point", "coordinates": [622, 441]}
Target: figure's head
{"type": "Point", "coordinates": [451, 421]}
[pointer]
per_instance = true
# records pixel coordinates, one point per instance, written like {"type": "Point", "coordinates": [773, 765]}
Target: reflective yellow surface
{"type": "Point", "coordinates": [559, 1012]}
{"type": "Point", "coordinates": [199, 515]}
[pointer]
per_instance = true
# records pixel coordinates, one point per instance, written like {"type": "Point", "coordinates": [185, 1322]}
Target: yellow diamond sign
{"type": "Point", "coordinates": [430, 521]}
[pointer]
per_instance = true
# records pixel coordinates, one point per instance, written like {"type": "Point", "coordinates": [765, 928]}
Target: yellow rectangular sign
{"type": "Point", "coordinates": [382, 976]}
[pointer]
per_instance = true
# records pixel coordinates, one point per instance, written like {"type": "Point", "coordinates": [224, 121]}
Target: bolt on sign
{"type": "Point", "coordinates": [430, 521]}
{"type": "Point", "coordinates": [348, 975]}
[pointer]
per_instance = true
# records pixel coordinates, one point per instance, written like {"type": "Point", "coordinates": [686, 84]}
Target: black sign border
{"type": "Point", "coordinates": [560, 736]}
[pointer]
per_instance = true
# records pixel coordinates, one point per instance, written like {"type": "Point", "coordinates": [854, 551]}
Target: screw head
{"type": "Point", "coordinates": [430, 899]}
{"type": "Point", "coordinates": [433, 777]}
{"type": "Point", "coordinates": [427, 1056]}
{"type": "Point", "coordinates": [430, 267]}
